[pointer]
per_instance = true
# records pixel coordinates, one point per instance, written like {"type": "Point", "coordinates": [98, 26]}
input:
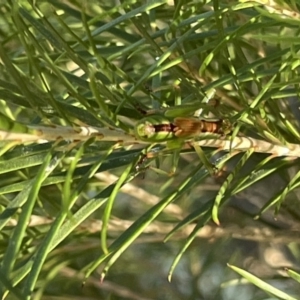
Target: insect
{"type": "Point", "coordinates": [171, 124]}
{"type": "Point", "coordinates": [158, 128]}
{"type": "Point", "coordinates": [176, 129]}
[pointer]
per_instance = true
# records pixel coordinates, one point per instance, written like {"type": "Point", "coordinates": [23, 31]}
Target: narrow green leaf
{"type": "Point", "coordinates": [13, 248]}
{"type": "Point", "coordinates": [269, 289]}
{"type": "Point", "coordinates": [226, 184]}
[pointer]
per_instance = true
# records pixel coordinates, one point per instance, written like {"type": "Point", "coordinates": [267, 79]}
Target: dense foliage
{"type": "Point", "coordinates": [97, 209]}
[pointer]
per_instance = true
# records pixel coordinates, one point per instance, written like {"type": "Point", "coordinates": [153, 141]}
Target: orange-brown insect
{"type": "Point", "coordinates": [189, 127]}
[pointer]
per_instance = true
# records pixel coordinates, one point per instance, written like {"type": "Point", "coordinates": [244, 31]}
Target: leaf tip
{"type": "Point", "coordinates": [102, 276]}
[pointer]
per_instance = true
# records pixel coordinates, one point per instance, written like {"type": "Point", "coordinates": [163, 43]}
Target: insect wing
{"type": "Point", "coordinates": [189, 127]}
{"type": "Point", "coordinates": [186, 127]}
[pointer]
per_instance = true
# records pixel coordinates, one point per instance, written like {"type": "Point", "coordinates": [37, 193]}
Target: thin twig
{"type": "Point", "coordinates": [82, 133]}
